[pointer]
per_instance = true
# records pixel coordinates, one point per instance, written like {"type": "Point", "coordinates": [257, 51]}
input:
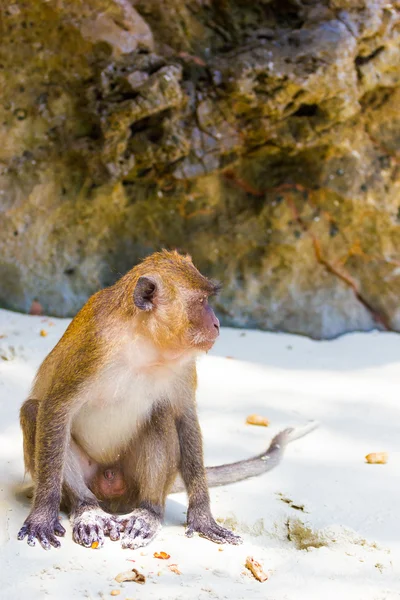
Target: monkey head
{"type": "Point", "coordinates": [171, 303]}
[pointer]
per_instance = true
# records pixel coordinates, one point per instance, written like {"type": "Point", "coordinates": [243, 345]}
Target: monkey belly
{"type": "Point", "coordinates": [104, 431]}
{"type": "Point", "coordinates": [116, 405]}
{"type": "Point", "coordinates": [103, 435]}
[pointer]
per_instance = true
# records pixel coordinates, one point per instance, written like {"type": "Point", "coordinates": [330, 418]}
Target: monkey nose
{"type": "Point", "coordinates": [216, 323]}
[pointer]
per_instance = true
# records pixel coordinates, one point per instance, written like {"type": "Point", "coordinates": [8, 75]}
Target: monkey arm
{"type": "Point", "coordinates": [252, 467]}
{"type": "Point", "coordinates": [192, 461]}
{"type": "Point", "coordinates": [52, 437]}
{"type": "Point", "coordinates": [199, 517]}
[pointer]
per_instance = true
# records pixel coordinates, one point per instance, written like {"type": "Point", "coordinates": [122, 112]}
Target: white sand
{"type": "Point", "coordinates": [351, 385]}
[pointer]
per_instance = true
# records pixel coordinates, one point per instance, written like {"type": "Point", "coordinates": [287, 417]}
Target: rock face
{"type": "Point", "coordinates": [261, 137]}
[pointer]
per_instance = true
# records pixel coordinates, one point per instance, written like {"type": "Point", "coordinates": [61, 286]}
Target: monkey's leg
{"type": "Point", "coordinates": [150, 467]}
{"type": "Point", "coordinates": [89, 522]}
{"type": "Point", "coordinates": [199, 517]}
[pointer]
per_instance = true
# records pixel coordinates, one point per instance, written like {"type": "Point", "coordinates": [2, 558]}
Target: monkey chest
{"type": "Point", "coordinates": [112, 412]}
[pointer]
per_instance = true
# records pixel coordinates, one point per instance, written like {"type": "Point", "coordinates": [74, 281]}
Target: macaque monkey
{"type": "Point", "coordinates": [111, 425]}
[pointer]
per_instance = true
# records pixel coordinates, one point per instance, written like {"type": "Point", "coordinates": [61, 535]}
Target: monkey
{"type": "Point", "coordinates": [110, 427]}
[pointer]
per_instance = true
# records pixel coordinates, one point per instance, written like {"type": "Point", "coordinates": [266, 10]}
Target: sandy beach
{"type": "Point", "coordinates": [324, 524]}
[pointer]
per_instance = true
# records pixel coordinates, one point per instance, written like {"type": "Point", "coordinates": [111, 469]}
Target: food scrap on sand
{"type": "Point", "coordinates": [43, 333]}
{"type": "Point", "coordinates": [257, 420]}
{"type": "Point", "coordinates": [377, 458]}
{"type": "Point", "coordinates": [256, 569]}
{"type": "Point", "coordinates": [174, 569]}
{"type": "Point", "coordinates": [132, 575]}
{"type": "Point", "coordinates": [162, 555]}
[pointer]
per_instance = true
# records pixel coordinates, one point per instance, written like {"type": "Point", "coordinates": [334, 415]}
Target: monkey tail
{"type": "Point", "coordinates": [257, 465]}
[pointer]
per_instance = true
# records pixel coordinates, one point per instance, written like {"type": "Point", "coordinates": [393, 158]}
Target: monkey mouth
{"type": "Point", "coordinates": [205, 345]}
{"type": "Point", "coordinates": [203, 340]}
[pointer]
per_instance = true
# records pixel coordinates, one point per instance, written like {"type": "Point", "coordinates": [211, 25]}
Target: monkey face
{"type": "Point", "coordinates": [172, 297]}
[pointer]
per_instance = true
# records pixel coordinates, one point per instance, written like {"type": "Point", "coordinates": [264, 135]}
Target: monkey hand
{"type": "Point", "coordinates": [205, 525]}
{"type": "Point", "coordinates": [140, 527]}
{"type": "Point", "coordinates": [92, 525]}
{"type": "Point", "coordinates": [43, 528]}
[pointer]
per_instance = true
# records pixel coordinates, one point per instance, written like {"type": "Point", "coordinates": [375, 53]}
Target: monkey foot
{"type": "Point", "coordinates": [92, 525]}
{"type": "Point", "coordinates": [35, 529]}
{"type": "Point", "coordinates": [140, 527]}
{"type": "Point", "coordinates": [206, 527]}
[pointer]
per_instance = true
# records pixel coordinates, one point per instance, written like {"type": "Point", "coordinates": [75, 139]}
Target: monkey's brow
{"type": "Point", "coordinates": [214, 287]}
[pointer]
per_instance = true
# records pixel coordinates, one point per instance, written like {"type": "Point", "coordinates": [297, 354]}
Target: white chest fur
{"type": "Point", "coordinates": [118, 401]}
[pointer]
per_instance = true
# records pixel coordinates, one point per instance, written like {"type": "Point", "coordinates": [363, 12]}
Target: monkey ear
{"type": "Point", "coordinates": [144, 293]}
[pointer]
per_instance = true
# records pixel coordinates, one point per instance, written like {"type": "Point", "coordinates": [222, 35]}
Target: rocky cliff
{"type": "Point", "coordinates": [261, 137]}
